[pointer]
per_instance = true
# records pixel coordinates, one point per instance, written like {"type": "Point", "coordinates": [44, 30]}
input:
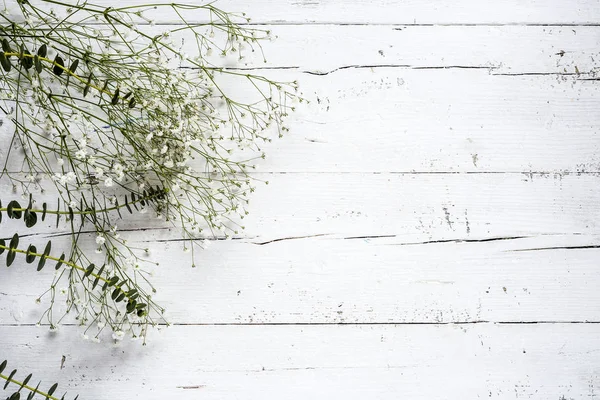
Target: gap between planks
{"type": "Point", "coordinates": [392, 323]}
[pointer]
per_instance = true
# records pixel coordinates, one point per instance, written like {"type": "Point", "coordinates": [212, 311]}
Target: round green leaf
{"type": "Point", "coordinates": [30, 218]}
{"type": "Point", "coordinates": [12, 210]}
{"type": "Point", "coordinates": [30, 256]}
{"type": "Point", "coordinates": [14, 242]}
{"type": "Point", "coordinates": [58, 64]}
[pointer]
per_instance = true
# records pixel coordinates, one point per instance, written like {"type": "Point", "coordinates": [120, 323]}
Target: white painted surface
{"type": "Point", "coordinates": [431, 228]}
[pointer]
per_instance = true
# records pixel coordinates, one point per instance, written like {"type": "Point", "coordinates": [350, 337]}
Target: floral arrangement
{"type": "Point", "coordinates": [117, 116]}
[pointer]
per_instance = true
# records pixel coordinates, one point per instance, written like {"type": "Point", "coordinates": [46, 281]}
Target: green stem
{"type": "Point", "coordinates": [84, 212]}
{"type": "Point", "coordinates": [49, 257]}
{"type": "Point", "coordinates": [65, 69]}
{"type": "Point", "coordinates": [30, 388]}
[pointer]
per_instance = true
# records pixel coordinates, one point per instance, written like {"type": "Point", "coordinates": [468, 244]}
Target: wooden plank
{"type": "Point", "coordinates": [323, 362]}
{"type": "Point", "coordinates": [500, 49]}
{"type": "Point", "coordinates": [400, 11]}
{"type": "Point", "coordinates": [452, 120]}
{"type": "Point", "coordinates": [413, 207]}
{"type": "Point", "coordinates": [356, 280]}
{"type": "Point", "coordinates": [441, 120]}
{"type": "Point", "coordinates": [369, 248]}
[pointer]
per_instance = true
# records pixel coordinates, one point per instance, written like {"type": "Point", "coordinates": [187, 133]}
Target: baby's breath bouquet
{"type": "Point", "coordinates": [119, 116]}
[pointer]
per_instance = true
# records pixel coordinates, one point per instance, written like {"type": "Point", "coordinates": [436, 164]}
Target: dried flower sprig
{"type": "Point", "coordinates": [105, 108]}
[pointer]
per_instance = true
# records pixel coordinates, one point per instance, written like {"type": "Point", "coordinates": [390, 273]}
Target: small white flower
{"type": "Point", "coordinates": [169, 164]}
{"type": "Point", "coordinates": [108, 182]}
{"type": "Point", "coordinates": [80, 154]}
{"type": "Point", "coordinates": [99, 172]}
{"type": "Point", "coordinates": [149, 137]}
{"type": "Point", "coordinates": [118, 335]}
{"type": "Point", "coordinates": [100, 240]}
{"type": "Point", "coordinates": [60, 162]}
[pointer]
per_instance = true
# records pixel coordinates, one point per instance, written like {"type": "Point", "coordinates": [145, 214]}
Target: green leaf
{"type": "Point", "coordinates": [57, 68]}
{"type": "Point", "coordinates": [38, 64]}
{"type": "Point", "coordinates": [52, 389]}
{"type": "Point", "coordinates": [98, 275]}
{"type": "Point", "coordinates": [127, 205]}
{"type": "Point", "coordinates": [3, 366]}
{"type": "Point", "coordinates": [60, 261]}
{"type": "Point", "coordinates": [73, 66]}
{"type": "Point", "coordinates": [112, 281]}
{"type": "Point", "coordinates": [26, 381]}
{"type": "Point", "coordinates": [42, 51]}
{"type": "Point", "coordinates": [10, 257]}
{"type": "Point", "coordinates": [14, 242]}
{"type": "Point", "coordinates": [6, 46]}
{"type": "Point", "coordinates": [89, 270]}
{"type": "Point", "coordinates": [26, 62]}
{"type": "Point", "coordinates": [14, 371]}
{"type": "Point", "coordinates": [5, 62]}
{"type": "Point", "coordinates": [15, 396]}
{"type": "Point", "coordinates": [57, 212]}
{"type": "Point", "coordinates": [11, 212]}
{"type": "Point", "coordinates": [44, 209]}
{"type": "Point", "coordinates": [30, 218]}
{"type": "Point", "coordinates": [115, 98]}
{"type": "Point", "coordinates": [95, 282]}
{"type": "Point", "coordinates": [131, 307]}
{"type": "Point", "coordinates": [141, 313]}
{"type": "Point", "coordinates": [42, 261]}
{"type": "Point", "coordinates": [47, 248]}
{"type": "Point", "coordinates": [30, 256]}
{"type": "Point", "coordinates": [30, 396]}
{"type": "Point", "coordinates": [115, 293]}
{"type": "Point", "coordinates": [87, 86]}
{"type": "Point", "coordinates": [120, 298]}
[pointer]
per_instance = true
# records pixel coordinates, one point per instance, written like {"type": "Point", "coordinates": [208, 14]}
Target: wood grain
{"type": "Point", "coordinates": [412, 207]}
{"type": "Point", "coordinates": [430, 229]}
{"type": "Point", "coordinates": [440, 120]}
{"type": "Point", "coordinates": [551, 278]}
{"type": "Point", "coordinates": [538, 361]}
{"type": "Point", "coordinates": [402, 12]}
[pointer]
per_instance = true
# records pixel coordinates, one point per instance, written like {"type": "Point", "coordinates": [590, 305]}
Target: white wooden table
{"type": "Point", "coordinates": [431, 229]}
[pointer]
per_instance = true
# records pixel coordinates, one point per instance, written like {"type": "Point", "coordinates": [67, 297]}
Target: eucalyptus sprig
{"type": "Point", "coordinates": [103, 294]}
{"type": "Point", "coordinates": [25, 387]}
